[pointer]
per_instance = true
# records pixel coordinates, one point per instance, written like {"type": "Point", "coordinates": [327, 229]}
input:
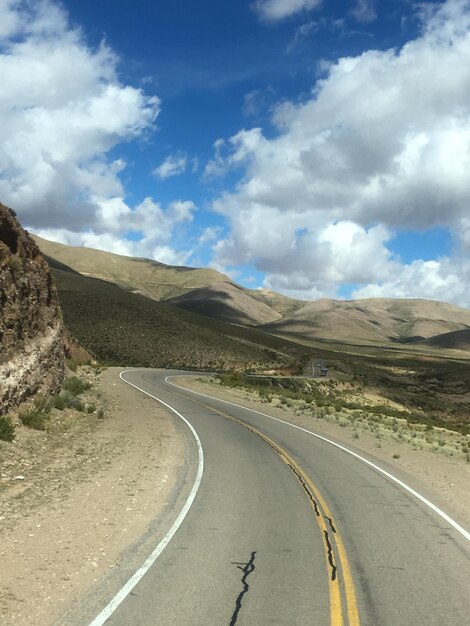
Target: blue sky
{"type": "Point", "coordinates": [320, 149]}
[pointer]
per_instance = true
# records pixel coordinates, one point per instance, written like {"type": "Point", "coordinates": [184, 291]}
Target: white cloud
{"type": "Point", "coordinates": [364, 11]}
{"type": "Point", "coordinates": [443, 279]}
{"type": "Point", "coordinates": [153, 224]}
{"type": "Point", "coordinates": [383, 140]}
{"type": "Point", "coordinates": [209, 234]}
{"type": "Point", "coordinates": [173, 165]}
{"type": "Point", "coordinates": [274, 10]}
{"type": "Point", "coordinates": [63, 108]}
{"type": "Point", "coordinates": [235, 152]}
{"type": "Point", "coordinates": [299, 258]}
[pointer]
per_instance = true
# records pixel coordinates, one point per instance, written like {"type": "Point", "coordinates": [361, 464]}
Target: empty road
{"type": "Point", "coordinates": [284, 528]}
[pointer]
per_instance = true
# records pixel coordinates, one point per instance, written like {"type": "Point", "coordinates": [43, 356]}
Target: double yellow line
{"type": "Point", "coordinates": [340, 581]}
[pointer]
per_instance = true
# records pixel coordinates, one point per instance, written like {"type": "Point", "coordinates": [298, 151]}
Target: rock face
{"type": "Point", "coordinates": [31, 329]}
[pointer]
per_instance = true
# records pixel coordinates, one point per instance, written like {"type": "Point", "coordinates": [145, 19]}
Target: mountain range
{"type": "Point", "coordinates": [211, 294]}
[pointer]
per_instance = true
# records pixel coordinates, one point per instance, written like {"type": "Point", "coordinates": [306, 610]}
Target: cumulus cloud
{"type": "Point", "coordinates": [382, 143]}
{"type": "Point", "coordinates": [173, 165]}
{"type": "Point", "coordinates": [275, 10]}
{"type": "Point", "coordinates": [150, 224]}
{"type": "Point", "coordinates": [63, 108]}
{"type": "Point", "coordinates": [443, 279]}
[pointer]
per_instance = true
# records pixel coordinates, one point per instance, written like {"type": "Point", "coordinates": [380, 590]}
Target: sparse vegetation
{"type": "Point", "coordinates": [36, 416]}
{"type": "Point", "coordinates": [7, 428]}
{"type": "Point", "coordinates": [123, 328]}
{"type": "Point", "coordinates": [350, 406]}
{"type": "Point", "coordinates": [75, 385]}
{"type": "Point", "coordinates": [71, 401]}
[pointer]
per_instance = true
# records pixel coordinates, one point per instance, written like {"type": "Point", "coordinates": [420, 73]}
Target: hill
{"type": "Point", "coordinates": [280, 303]}
{"type": "Point", "coordinates": [212, 294]}
{"type": "Point", "coordinates": [125, 328]}
{"type": "Point", "coordinates": [228, 302]}
{"type": "Point", "coordinates": [203, 291]}
{"type": "Point", "coordinates": [374, 320]}
{"type": "Point", "coordinates": [150, 278]}
{"type": "Point", "coordinates": [456, 340]}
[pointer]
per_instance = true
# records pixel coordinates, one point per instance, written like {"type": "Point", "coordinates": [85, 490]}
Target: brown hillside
{"type": "Point", "coordinates": [150, 278]}
{"type": "Point", "coordinates": [207, 292]}
{"type": "Point", "coordinates": [228, 302]}
{"type": "Point", "coordinates": [280, 303]}
{"type": "Point", "coordinates": [373, 320]}
{"type": "Point", "coordinates": [456, 340]}
{"type": "Point", "coordinates": [130, 329]}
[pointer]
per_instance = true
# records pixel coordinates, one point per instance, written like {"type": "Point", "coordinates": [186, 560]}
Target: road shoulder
{"type": "Point", "coordinates": [98, 491]}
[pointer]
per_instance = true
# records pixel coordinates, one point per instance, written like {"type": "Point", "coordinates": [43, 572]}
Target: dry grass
{"type": "Point", "coordinates": [351, 406]}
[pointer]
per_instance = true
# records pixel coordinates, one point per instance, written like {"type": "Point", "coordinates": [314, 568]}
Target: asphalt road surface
{"type": "Point", "coordinates": [284, 528]}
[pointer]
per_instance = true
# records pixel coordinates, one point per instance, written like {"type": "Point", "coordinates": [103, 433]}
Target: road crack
{"type": "Point", "coordinates": [330, 555]}
{"type": "Point", "coordinates": [247, 569]}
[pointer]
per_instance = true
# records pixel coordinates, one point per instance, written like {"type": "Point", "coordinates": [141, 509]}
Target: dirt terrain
{"type": "Point", "coordinates": [73, 500]}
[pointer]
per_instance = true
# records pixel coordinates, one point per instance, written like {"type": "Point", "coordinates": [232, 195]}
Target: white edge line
{"type": "Point", "coordinates": [143, 569]}
{"type": "Point", "coordinates": [396, 480]}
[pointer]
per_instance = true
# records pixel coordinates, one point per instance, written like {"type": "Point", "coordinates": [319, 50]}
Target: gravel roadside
{"type": "Point", "coordinates": [85, 496]}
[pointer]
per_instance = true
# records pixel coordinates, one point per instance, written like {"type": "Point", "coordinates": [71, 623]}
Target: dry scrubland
{"type": "Point", "coordinates": [362, 410]}
{"type": "Point", "coordinates": [122, 328]}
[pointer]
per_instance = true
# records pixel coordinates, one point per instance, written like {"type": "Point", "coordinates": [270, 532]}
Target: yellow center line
{"type": "Point", "coordinates": [336, 611]}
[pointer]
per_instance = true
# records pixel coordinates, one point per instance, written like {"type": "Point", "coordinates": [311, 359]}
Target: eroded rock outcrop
{"type": "Point", "coordinates": [31, 344]}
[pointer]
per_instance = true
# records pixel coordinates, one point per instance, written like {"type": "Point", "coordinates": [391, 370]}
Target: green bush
{"type": "Point", "coordinates": [35, 418]}
{"type": "Point", "coordinates": [71, 401]}
{"type": "Point", "coordinates": [75, 385]}
{"type": "Point", "coordinates": [7, 429]}
{"type": "Point", "coordinates": [59, 403]}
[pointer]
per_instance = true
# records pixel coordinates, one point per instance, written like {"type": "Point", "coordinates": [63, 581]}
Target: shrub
{"type": "Point", "coordinates": [35, 418]}
{"type": "Point", "coordinates": [75, 385]}
{"type": "Point", "coordinates": [71, 401]}
{"type": "Point", "coordinates": [59, 403]}
{"type": "Point", "coordinates": [72, 364]}
{"type": "Point", "coordinates": [7, 429]}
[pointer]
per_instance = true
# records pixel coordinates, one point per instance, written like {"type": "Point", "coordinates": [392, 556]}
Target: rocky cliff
{"type": "Point", "coordinates": [31, 343]}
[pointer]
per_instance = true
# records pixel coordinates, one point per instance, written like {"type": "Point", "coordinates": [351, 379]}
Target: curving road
{"type": "Point", "coordinates": [284, 528]}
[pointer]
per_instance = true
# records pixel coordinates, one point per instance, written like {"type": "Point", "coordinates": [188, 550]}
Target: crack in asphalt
{"type": "Point", "coordinates": [331, 523]}
{"type": "Point", "coordinates": [307, 491]}
{"type": "Point", "coordinates": [247, 570]}
{"type": "Point", "coordinates": [330, 555]}
{"type": "Point", "coordinates": [300, 478]}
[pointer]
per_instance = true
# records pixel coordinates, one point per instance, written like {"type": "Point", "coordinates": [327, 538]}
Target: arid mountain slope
{"type": "Point", "coordinates": [150, 278]}
{"type": "Point", "coordinates": [130, 329]}
{"type": "Point", "coordinates": [31, 330]}
{"type": "Point", "coordinates": [282, 304]}
{"type": "Point", "coordinates": [373, 320]}
{"type": "Point", "coordinates": [456, 340]}
{"type": "Point", "coordinates": [228, 302]}
{"type": "Point", "coordinates": [209, 293]}
{"type": "Point", "coordinates": [203, 291]}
